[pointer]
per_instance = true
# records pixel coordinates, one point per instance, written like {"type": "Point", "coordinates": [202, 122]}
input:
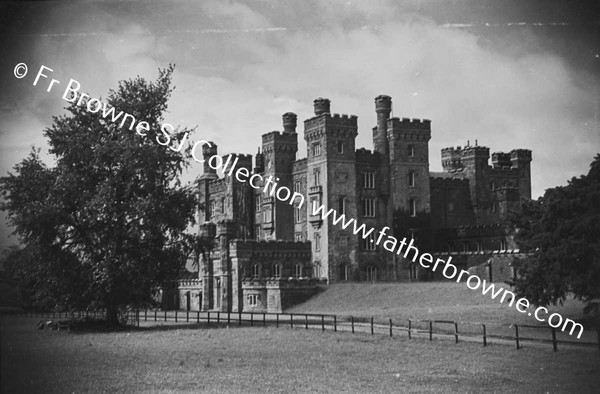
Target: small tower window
{"type": "Point", "coordinates": [412, 207]}
{"type": "Point", "coordinates": [258, 202]}
{"type": "Point", "coordinates": [342, 205]}
{"type": "Point", "coordinates": [298, 270]}
{"type": "Point", "coordinates": [411, 151]}
{"type": "Point", "coordinates": [368, 206]}
{"type": "Point", "coordinates": [411, 178]}
{"type": "Point", "coordinates": [369, 242]}
{"type": "Point", "coordinates": [340, 147]}
{"type": "Point", "coordinates": [298, 214]}
{"type": "Point", "coordinates": [317, 242]}
{"type": "Point", "coordinates": [255, 271]}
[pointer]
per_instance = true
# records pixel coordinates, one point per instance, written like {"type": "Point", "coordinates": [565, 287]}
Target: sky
{"type": "Point", "coordinates": [509, 74]}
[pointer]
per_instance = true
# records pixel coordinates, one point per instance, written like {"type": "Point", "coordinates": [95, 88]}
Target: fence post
{"type": "Point", "coordinates": [277, 319]}
{"type": "Point", "coordinates": [484, 335]}
{"type": "Point", "coordinates": [228, 318]}
{"type": "Point", "coordinates": [430, 330]}
{"type": "Point", "coordinates": [371, 325]}
{"type": "Point", "coordinates": [352, 320]}
{"type": "Point", "coordinates": [218, 317]}
{"type": "Point", "coordinates": [334, 323]}
{"type": "Point", "coordinates": [455, 332]}
{"type": "Point", "coordinates": [264, 319]}
{"type": "Point", "coordinates": [306, 322]}
{"type": "Point", "coordinates": [145, 314]}
{"type": "Point", "coordinates": [251, 319]}
{"type": "Point", "coordinates": [517, 335]}
{"type": "Point", "coordinates": [239, 318]}
{"type": "Point", "coordinates": [165, 315]}
{"type": "Point", "coordinates": [176, 315]}
{"type": "Point", "coordinates": [155, 314]}
{"type": "Point", "coordinates": [137, 316]}
{"type": "Point", "coordinates": [390, 328]}
{"type": "Point", "coordinates": [198, 317]}
{"type": "Point", "coordinates": [323, 327]}
{"type": "Point", "coordinates": [208, 318]}
{"type": "Point", "coordinates": [291, 320]}
{"type": "Point", "coordinates": [554, 339]}
{"type": "Point", "coordinates": [409, 328]}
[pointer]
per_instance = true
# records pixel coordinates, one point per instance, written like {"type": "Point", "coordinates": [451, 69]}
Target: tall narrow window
{"type": "Point", "coordinates": [412, 207]}
{"type": "Point", "coordinates": [317, 177]}
{"type": "Point", "coordinates": [298, 270]}
{"type": "Point", "coordinates": [342, 205]}
{"type": "Point", "coordinates": [298, 214]}
{"type": "Point", "coordinates": [298, 237]}
{"type": "Point", "coordinates": [340, 147]}
{"type": "Point", "coordinates": [479, 246]}
{"type": "Point", "coordinates": [411, 151]}
{"type": "Point", "coordinates": [297, 186]}
{"type": "Point", "coordinates": [223, 205]}
{"type": "Point", "coordinates": [317, 238]}
{"type": "Point", "coordinates": [255, 271]}
{"type": "Point", "coordinates": [267, 215]}
{"type": "Point", "coordinates": [276, 270]}
{"type": "Point", "coordinates": [257, 232]}
{"type": "Point", "coordinates": [368, 206]}
{"type": "Point", "coordinates": [411, 178]}
{"type": "Point", "coordinates": [465, 246]}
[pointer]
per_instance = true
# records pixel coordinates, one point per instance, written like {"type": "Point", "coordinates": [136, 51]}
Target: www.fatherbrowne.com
{"type": "Point", "coordinates": [392, 244]}
{"type": "Point", "coordinates": [449, 270]}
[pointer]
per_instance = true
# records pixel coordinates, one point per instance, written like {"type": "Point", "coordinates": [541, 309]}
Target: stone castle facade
{"type": "Point", "coordinates": [265, 254]}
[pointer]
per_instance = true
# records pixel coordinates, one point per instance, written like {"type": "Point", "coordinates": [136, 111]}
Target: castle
{"type": "Point", "coordinates": [264, 254]}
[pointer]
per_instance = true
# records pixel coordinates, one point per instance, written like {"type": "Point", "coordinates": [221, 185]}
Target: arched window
{"type": "Point", "coordinates": [276, 271]}
{"type": "Point", "coordinates": [255, 271]}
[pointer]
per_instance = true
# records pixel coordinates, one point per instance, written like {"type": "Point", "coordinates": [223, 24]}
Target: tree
{"type": "Point", "coordinates": [106, 225]}
{"type": "Point", "coordinates": [562, 230]}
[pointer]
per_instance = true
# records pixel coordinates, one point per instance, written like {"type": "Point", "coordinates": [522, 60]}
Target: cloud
{"type": "Point", "coordinates": [241, 65]}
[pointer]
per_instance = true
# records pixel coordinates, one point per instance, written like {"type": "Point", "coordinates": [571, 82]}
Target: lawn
{"type": "Point", "coordinates": [257, 359]}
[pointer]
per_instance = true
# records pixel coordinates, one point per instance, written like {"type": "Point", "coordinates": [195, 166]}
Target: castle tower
{"type": "Point", "coordinates": [331, 181]}
{"type": "Point", "coordinates": [209, 174]}
{"type": "Point", "coordinates": [410, 193]}
{"type": "Point", "coordinates": [521, 159]}
{"type": "Point", "coordinates": [475, 161]}
{"type": "Point", "coordinates": [279, 150]}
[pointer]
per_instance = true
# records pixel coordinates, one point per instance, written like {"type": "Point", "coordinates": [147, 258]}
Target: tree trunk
{"type": "Point", "coordinates": [112, 316]}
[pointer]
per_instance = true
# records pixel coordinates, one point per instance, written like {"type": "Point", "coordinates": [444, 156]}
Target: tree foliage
{"type": "Point", "coordinates": [105, 226]}
{"type": "Point", "coordinates": [562, 230]}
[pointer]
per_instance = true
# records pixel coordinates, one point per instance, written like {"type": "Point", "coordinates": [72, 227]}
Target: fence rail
{"type": "Point", "coordinates": [413, 329]}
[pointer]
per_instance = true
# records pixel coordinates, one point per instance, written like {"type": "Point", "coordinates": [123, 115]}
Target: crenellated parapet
{"type": "Point", "coordinates": [299, 166]}
{"type": "Point", "coordinates": [406, 129]}
{"type": "Point", "coordinates": [280, 142]}
{"type": "Point", "coordinates": [367, 156]}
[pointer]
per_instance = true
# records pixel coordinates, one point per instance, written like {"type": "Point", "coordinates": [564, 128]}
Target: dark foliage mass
{"type": "Point", "coordinates": [104, 226]}
{"type": "Point", "coordinates": [562, 229]}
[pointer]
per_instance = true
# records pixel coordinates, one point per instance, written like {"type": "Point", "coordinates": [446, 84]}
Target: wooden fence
{"type": "Point", "coordinates": [414, 328]}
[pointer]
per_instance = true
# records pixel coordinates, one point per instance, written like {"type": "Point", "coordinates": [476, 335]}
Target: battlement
{"type": "Point", "coordinates": [520, 155]}
{"type": "Point", "coordinates": [366, 155]}
{"type": "Point", "coordinates": [501, 159]}
{"type": "Point", "coordinates": [383, 104]}
{"type": "Point", "coordinates": [413, 124]}
{"type": "Point", "coordinates": [299, 165]}
{"type": "Point", "coordinates": [329, 120]}
{"type": "Point", "coordinates": [243, 161]}
{"type": "Point", "coordinates": [321, 106]}
{"type": "Point", "coordinates": [449, 182]}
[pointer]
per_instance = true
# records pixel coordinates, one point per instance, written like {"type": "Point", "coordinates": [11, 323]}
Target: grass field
{"type": "Point", "coordinates": [177, 359]}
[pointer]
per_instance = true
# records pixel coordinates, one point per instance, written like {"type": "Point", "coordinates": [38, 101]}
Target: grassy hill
{"type": "Point", "coordinates": [422, 300]}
